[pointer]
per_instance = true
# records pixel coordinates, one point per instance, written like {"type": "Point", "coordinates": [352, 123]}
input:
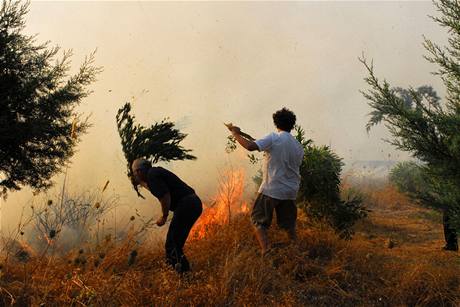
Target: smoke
{"type": "Point", "coordinates": [203, 64]}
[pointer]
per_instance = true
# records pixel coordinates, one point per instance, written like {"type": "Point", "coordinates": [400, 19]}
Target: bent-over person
{"type": "Point", "coordinates": [176, 196]}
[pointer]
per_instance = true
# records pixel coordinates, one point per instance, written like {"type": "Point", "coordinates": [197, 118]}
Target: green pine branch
{"type": "Point", "coordinates": [159, 142]}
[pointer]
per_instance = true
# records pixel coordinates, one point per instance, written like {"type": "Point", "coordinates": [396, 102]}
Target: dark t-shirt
{"type": "Point", "coordinates": [161, 181]}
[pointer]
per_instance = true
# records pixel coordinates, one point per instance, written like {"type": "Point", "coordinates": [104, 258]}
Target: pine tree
{"type": "Point", "coordinates": [39, 124]}
{"type": "Point", "coordinates": [160, 142]}
{"type": "Point", "coordinates": [427, 127]}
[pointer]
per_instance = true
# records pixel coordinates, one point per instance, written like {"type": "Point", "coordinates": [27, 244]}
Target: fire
{"type": "Point", "coordinates": [244, 207]}
{"type": "Point", "coordinates": [227, 203]}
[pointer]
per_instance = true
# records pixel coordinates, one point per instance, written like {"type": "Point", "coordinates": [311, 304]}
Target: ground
{"type": "Point", "coordinates": [394, 259]}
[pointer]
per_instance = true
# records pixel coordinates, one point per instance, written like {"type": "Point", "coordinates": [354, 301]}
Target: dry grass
{"type": "Point", "coordinates": [319, 270]}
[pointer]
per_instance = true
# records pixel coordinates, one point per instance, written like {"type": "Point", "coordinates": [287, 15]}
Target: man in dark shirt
{"type": "Point", "coordinates": [176, 196]}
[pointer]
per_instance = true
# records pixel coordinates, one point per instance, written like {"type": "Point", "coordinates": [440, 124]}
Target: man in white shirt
{"type": "Point", "coordinates": [283, 155]}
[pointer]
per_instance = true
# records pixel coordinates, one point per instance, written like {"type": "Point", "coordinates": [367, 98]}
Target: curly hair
{"type": "Point", "coordinates": [284, 119]}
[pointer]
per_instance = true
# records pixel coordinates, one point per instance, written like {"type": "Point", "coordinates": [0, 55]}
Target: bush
{"type": "Point", "coordinates": [319, 194]}
{"type": "Point", "coordinates": [320, 172]}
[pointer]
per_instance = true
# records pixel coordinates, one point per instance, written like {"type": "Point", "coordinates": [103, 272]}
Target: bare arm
{"type": "Point", "coordinates": [247, 144]}
{"type": "Point", "coordinates": [242, 138]}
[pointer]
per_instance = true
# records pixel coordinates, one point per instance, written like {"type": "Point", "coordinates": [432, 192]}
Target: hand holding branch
{"type": "Point", "coordinates": [236, 130]}
{"type": "Point", "coordinates": [242, 138]}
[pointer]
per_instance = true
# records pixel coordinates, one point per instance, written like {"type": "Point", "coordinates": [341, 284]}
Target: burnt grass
{"type": "Point", "coordinates": [319, 269]}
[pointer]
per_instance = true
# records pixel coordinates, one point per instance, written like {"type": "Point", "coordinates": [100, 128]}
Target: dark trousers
{"type": "Point", "coordinates": [450, 234]}
{"type": "Point", "coordinates": [187, 211]}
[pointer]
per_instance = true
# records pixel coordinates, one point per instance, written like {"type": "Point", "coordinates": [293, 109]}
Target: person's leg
{"type": "Point", "coordinates": [286, 217]}
{"type": "Point", "coordinates": [185, 215]}
{"type": "Point", "coordinates": [292, 234]}
{"type": "Point", "coordinates": [262, 238]}
{"type": "Point", "coordinates": [171, 246]}
{"type": "Point", "coordinates": [261, 217]}
{"type": "Point", "coordinates": [189, 212]}
{"type": "Point", "coordinates": [450, 234]}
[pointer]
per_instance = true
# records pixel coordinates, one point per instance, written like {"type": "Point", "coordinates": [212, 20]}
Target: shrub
{"type": "Point", "coordinates": [319, 194]}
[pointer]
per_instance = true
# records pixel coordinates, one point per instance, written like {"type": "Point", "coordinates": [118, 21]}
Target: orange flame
{"type": "Point", "coordinates": [227, 203]}
{"type": "Point", "coordinates": [244, 207]}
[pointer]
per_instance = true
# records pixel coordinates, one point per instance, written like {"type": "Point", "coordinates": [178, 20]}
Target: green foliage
{"type": "Point", "coordinates": [37, 101]}
{"type": "Point", "coordinates": [419, 122]}
{"type": "Point", "coordinates": [253, 159]}
{"type": "Point", "coordinates": [413, 180]}
{"type": "Point", "coordinates": [416, 181]}
{"type": "Point", "coordinates": [320, 172]}
{"type": "Point", "coordinates": [407, 100]}
{"type": "Point", "coordinates": [231, 147]}
{"type": "Point", "coordinates": [231, 144]}
{"type": "Point", "coordinates": [319, 194]}
{"type": "Point", "coordinates": [159, 142]}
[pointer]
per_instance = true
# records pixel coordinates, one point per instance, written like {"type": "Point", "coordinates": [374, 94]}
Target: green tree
{"type": "Point", "coordinates": [159, 142]}
{"type": "Point", "coordinates": [425, 127]}
{"type": "Point", "coordinates": [39, 125]}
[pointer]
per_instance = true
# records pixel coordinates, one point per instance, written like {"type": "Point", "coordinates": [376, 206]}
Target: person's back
{"type": "Point", "coordinates": [283, 156]}
{"type": "Point", "coordinates": [160, 181]}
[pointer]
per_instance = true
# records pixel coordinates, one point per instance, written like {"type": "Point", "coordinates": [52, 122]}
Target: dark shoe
{"type": "Point", "coordinates": [450, 248]}
{"type": "Point", "coordinates": [178, 267]}
{"type": "Point", "coordinates": [182, 268]}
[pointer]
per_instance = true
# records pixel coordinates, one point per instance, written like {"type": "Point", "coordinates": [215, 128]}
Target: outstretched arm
{"type": "Point", "coordinates": [242, 138]}
{"type": "Point", "coordinates": [248, 144]}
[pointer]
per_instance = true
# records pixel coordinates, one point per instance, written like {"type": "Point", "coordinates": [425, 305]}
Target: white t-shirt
{"type": "Point", "coordinates": [283, 157]}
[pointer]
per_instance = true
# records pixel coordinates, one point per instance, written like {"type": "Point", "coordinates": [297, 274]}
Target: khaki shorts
{"type": "Point", "coordinates": [262, 212]}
